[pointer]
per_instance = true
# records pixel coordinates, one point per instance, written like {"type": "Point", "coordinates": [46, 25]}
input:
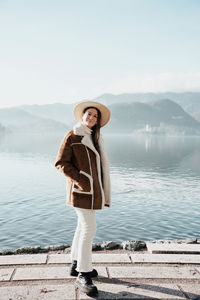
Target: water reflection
{"type": "Point", "coordinates": [148, 152]}
{"type": "Point", "coordinates": [154, 152]}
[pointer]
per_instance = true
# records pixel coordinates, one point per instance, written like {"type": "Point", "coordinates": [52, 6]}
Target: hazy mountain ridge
{"type": "Point", "coordinates": [50, 111]}
{"type": "Point", "coordinates": [189, 101]}
{"type": "Point", "coordinates": [157, 116]}
{"type": "Point", "coordinates": [15, 116]}
{"type": "Point", "coordinates": [17, 120]}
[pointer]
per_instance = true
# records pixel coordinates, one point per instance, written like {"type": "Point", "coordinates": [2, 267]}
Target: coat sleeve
{"type": "Point", "coordinates": [64, 160]}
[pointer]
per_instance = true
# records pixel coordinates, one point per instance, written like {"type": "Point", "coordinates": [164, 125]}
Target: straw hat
{"type": "Point", "coordinates": [105, 112]}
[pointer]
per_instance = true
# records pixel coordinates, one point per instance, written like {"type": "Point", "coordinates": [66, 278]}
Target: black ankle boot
{"type": "Point", "coordinates": [75, 273]}
{"type": "Point", "coordinates": [85, 284]}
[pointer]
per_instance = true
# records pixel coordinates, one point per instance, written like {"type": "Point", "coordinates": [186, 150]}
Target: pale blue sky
{"type": "Point", "coordinates": [68, 51]}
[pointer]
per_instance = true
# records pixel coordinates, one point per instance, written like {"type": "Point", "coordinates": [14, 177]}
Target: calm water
{"type": "Point", "coordinates": [155, 191]}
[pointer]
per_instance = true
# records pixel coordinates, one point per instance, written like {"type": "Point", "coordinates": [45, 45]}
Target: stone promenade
{"type": "Point", "coordinates": [160, 273]}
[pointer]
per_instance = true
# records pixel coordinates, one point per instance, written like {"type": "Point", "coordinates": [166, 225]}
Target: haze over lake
{"type": "Point", "coordinates": [155, 190]}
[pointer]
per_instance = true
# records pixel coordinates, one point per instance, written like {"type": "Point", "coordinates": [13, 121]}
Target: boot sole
{"type": "Point", "coordinates": [89, 292]}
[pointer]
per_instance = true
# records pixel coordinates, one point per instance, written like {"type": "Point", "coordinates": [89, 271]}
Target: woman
{"type": "Point", "coordinates": [82, 159]}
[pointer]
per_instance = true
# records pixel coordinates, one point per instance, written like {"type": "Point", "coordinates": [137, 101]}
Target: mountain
{"type": "Point", "coordinates": [190, 101]}
{"type": "Point", "coordinates": [57, 111]}
{"type": "Point", "coordinates": [17, 120]}
{"type": "Point", "coordinates": [157, 116]}
{"type": "Point", "coordinates": [15, 116]}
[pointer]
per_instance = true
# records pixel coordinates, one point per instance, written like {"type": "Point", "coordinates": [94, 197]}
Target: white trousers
{"type": "Point", "coordinates": [82, 242]}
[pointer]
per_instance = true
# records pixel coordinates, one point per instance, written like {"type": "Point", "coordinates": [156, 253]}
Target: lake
{"type": "Point", "coordinates": [155, 191]}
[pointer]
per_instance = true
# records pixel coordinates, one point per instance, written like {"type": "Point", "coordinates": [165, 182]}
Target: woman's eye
{"type": "Point", "coordinates": [90, 114]}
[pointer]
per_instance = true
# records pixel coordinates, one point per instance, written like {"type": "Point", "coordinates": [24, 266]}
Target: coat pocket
{"type": "Point", "coordinates": [86, 182]}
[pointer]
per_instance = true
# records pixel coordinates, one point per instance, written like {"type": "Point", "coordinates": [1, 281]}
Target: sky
{"type": "Point", "coordinates": [73, 50]}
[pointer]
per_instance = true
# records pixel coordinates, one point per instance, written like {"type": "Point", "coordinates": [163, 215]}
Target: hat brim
{"type": "Point", "coordinates": [105, 112]}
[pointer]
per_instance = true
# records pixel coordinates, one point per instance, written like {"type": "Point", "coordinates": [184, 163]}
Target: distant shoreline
{"type": "Point", "coordinates": [131, 245]}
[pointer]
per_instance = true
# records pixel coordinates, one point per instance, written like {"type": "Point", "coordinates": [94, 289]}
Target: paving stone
{"type": "Point", "coordinates": [38, 292]}
{"type": "Point", "coordinates": [96, 258]}
{"type": "Point", "coordinates": [101, 271]}
{"type": "Point", "coordinates": [173, 248]}
{"type": "Point", "coordinates": [154, 272]}
{"type": "Point", "coordinates": [136, 291]}
{"type": "Point", "coordinates": [191, 290]}
{"type": "Point", "coordinates": [166, 258]}
{"type": "Point", "coordinates": [111, 258]}
{"type": "Point", "coordinates": [59, 259]}
{"type": "Point", "coordinates": [41, 273]}
{"type": "Point", "coordinates": [37, 273]}
{"type": "Point", "coordinates": [5, 274]}
{"type": "Point", "coordinates": [23, 259]}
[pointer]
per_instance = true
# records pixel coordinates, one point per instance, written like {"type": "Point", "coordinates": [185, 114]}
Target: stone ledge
{"type": "Point", "coordinates": [23, 259]}
{"type": "Point", "coordinates": [48, 273]}
{"type": "Point", "coordinates": [59, 259]}
{"type": "Point", "coordinates": [173, 248]}
{"type": "Point", "coordinates": [96, 258]}
{"type": "Point", "coordinates": [166, 258]}
{"type": "Point", "coordinates": [103, 258]}
{"type": "Point", "coordinates": [153, 272]}
{"type": "Point", "coordinates": [111, 258]}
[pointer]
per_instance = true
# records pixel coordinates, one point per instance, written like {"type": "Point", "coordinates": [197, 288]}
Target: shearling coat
{"type": "Point", "coordinates": [81, 163]}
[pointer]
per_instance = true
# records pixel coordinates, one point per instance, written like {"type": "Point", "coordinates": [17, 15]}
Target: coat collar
{"type": "Point", "coordinates": [83, 130]}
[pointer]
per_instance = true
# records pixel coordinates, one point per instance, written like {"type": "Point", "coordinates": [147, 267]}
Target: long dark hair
{"type": "Point", "coordinates": [95, 128]}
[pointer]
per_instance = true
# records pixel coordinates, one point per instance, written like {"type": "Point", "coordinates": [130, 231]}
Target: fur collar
{"type": "Point", "coordinates": [81, 129]}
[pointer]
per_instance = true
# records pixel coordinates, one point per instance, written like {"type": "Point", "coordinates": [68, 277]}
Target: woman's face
{"type": "Point", "coordinates": [90, 117]}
